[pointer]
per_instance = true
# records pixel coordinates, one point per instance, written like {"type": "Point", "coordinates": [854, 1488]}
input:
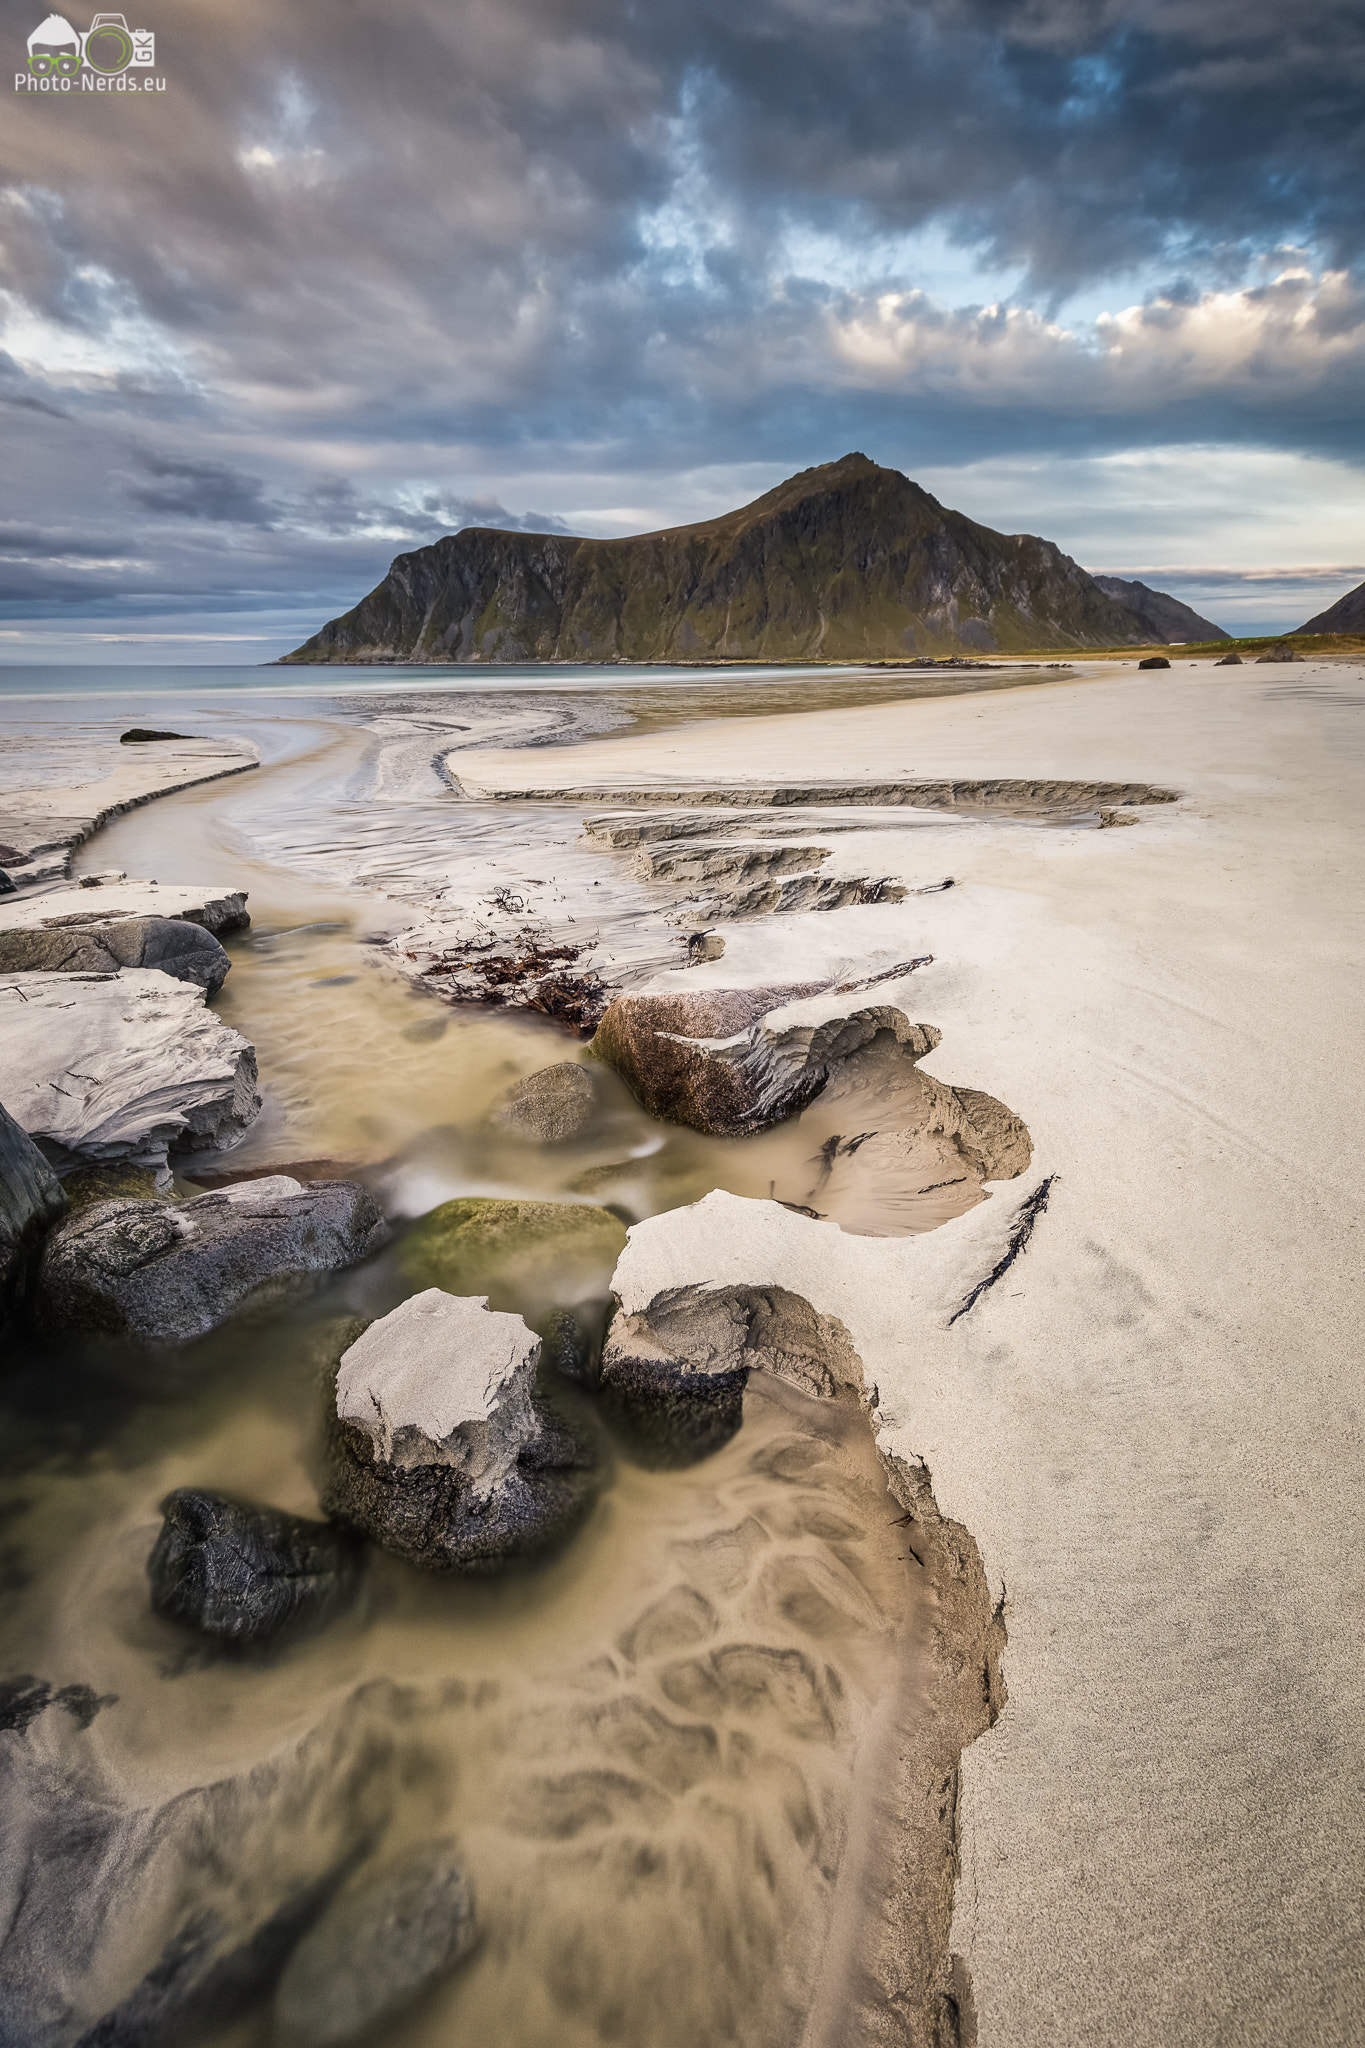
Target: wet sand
{"type": "Point", "coordinates": [1150, 1423]}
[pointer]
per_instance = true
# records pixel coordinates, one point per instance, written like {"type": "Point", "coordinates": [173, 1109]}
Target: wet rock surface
{"type": "Point", "coordinates": [715, 1059]}
{"type": "Point", "coordinates": [243, 1574]}
{"type": "Point", "coordinates": [145, 1925]}
{"type": "Point", "coordinates": [98, 899]}
{"type": "Point", "coordinates": [163, 1272]}
{"type": "Point", "coordinates": [377, 1947]}
{"type": "Point", "coordinates": [31, 1203]}
{"type": "Point", "coordinates": [121, 1067]}
{"type": "Point", "coordinates": [554, 1104]}
{"type": "Point", "coordinates": [442, 1447]}
{"type": "Point", "coordinates": [528, 1256]}
{"type": "Point", "coordinates": [676, 1372]}
{"type": "Point", "coordinates": [187, 952]}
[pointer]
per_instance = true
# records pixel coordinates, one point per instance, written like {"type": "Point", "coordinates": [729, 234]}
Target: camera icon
{"type": "Point", "coordinates": [109, 46]}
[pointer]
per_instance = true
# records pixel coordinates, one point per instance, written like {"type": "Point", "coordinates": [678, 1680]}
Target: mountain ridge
{"type": "Point", "coordinates": [1347, 615]}
{"type": "Point", "coordinates": [847, 561]}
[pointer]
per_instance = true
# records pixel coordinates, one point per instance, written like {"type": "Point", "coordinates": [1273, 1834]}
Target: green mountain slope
{"type": "Point", "coordinates": [845, 562]}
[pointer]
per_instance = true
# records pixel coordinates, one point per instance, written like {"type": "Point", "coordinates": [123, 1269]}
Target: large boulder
{"type": "Point", "coordinates": [442, 1449]}
{"type": "Point", "coordinates": [121, 1067]}
{"type": "Point", "coordinates": [184, 951]}
{"type": "Point", "coordinates": [246, 1574]}
{"type": "Point", "coordinates": [530, 1257]}
{"type": "Point", "coordinates": [31, 1202]}
{"type": "Point", "coordinates": [378, 1945]}
{"type": "Point", "coordinates": [162, 1272]}
{"type": "Point", "coordinates": [732, 1061]}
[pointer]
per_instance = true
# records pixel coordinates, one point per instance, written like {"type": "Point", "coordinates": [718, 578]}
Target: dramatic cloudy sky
{"type": "Point", "coordinates": [370, 270]}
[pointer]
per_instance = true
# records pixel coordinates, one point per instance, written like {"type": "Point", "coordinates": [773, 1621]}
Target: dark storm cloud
{"type": "Point", "coordinates": [298, 309]}
{"type": "Point", "coordinates": [199, 490]}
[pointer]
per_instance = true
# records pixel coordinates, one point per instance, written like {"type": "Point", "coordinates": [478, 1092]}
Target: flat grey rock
{"type": "Point", "coordinates": [97, 898]}
{"type": "Point", "coordinates": [244, 1574]}
{"type": "Point", "coordinates": [163, 1272]}
{"type": "Point", "coordinates": [31, 1202]}
{"type": "Point", "coordinates": [442, 1450]}
{"type": "Point", "coordinates": [184, 951]}
{"type": "Point", "coordinates": [376, 1947]}
{"type": "Point", "coordinates": [121, 1067]}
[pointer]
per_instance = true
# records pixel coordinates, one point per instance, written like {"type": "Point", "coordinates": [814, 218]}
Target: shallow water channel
{"type": "Point", "coordinates": [658, 1751]}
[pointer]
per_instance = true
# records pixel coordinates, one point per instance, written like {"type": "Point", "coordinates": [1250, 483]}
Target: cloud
{"type": "Point", "coordinates": [334, 293]}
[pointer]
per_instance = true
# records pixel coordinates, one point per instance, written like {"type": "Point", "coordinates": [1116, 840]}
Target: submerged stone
{"type": "Point", "coordinates": [555, 1105]}
{"type": "Point", "coordinates": [163, 1272]}
{"type": "Point", "coordinates": [525, 1256]}
{"type": "Point", "coordinates": [245, 1574]}
{"type": "Point", "coordinates": [442, 1449]}
{"type": "Point", "coordinates": [376, 1947]}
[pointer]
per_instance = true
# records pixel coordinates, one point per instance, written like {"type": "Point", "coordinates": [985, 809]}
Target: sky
{"type": "Point", "coordinates": [354, 275]}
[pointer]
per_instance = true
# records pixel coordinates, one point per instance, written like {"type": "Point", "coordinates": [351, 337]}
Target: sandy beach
{"type": "Point", "coordinates": [1139, 1413]}
{"type": "Point", "coordinates": [1150, 1426]}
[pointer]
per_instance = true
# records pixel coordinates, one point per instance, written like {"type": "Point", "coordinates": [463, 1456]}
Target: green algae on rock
{"type": "Point", "coordinates": [528, 1257]}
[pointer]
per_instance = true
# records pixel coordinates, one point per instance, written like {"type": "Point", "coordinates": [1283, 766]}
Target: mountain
{"type": "Point", "coordinates": [847, 562]}
{"type": "Point", "coordinates": [1347, 615]}
{"type": "Point", "coordinates": [1163, 619]}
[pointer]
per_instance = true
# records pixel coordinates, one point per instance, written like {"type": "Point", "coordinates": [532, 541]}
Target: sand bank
{"type": "Point", "coordinates": [1151, 1423]}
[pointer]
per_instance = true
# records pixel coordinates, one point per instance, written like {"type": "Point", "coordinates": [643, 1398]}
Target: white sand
{"type": "Point", "coordinates": [106, 779]}
{"type": "Point", "coordinates": [1152, 1425]}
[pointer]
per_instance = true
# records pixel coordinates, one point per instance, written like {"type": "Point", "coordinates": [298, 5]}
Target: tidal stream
{"type": "Point", "coordinates": [659, 1752]}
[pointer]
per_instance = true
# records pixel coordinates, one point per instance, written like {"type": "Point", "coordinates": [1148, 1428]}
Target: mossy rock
{"type": "Point", "coordinates": [527, 1257]}
{"type": "Point", "coordinates": [91, 1184]}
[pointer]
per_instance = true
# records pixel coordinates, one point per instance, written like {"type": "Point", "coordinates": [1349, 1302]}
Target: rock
{"type": "Point", "coordinates": [718, 1061]}
{"type": "Point", "coordinates": [151, 1926]}
{"type": "Point", "coordinates": [31, 1202]}
{"type": "Point", "coordinates": [6, 883]}
{"type": "Point", "coordinates": [554, 1104]}
{"type": "Point", "coordinates": [703, 946]}
{"type": "Point", "coordinates": [120, 1067]}
{"type": "Point", "coordinates": [139, 735]}
{"type": "Point", "coordinates": [676, 1371]}
{"type": "Point", "coordinates": [91, 1184]}
{"type": "Point", "coordinates": [1228, 661]}
{"type": "Point", "coordinates": [217, 909]}
{"type": "Point", "coordinates": [1154, 661]}
{"type": "Point", "coordinates": [1280, 654]}
{"type": "Point", "coordinates": [442, 1451]}
{"type": "Point", "coordinates": [245, 1574]}
{"type": "Point", "coordinates": [376, 1947]}
{"type": "Point", "coordinates": [162, 1272]}
{"type": "Point", "coordinates": [566, 1347]}
{"type": "Point", "coordinates": [184, 951]}
{"type": "Point", "coordinates": [527, 1256]}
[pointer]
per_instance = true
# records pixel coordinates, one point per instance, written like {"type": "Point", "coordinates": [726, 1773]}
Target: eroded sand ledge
{"type": "Point", "coordinates": [1148, 1424]}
